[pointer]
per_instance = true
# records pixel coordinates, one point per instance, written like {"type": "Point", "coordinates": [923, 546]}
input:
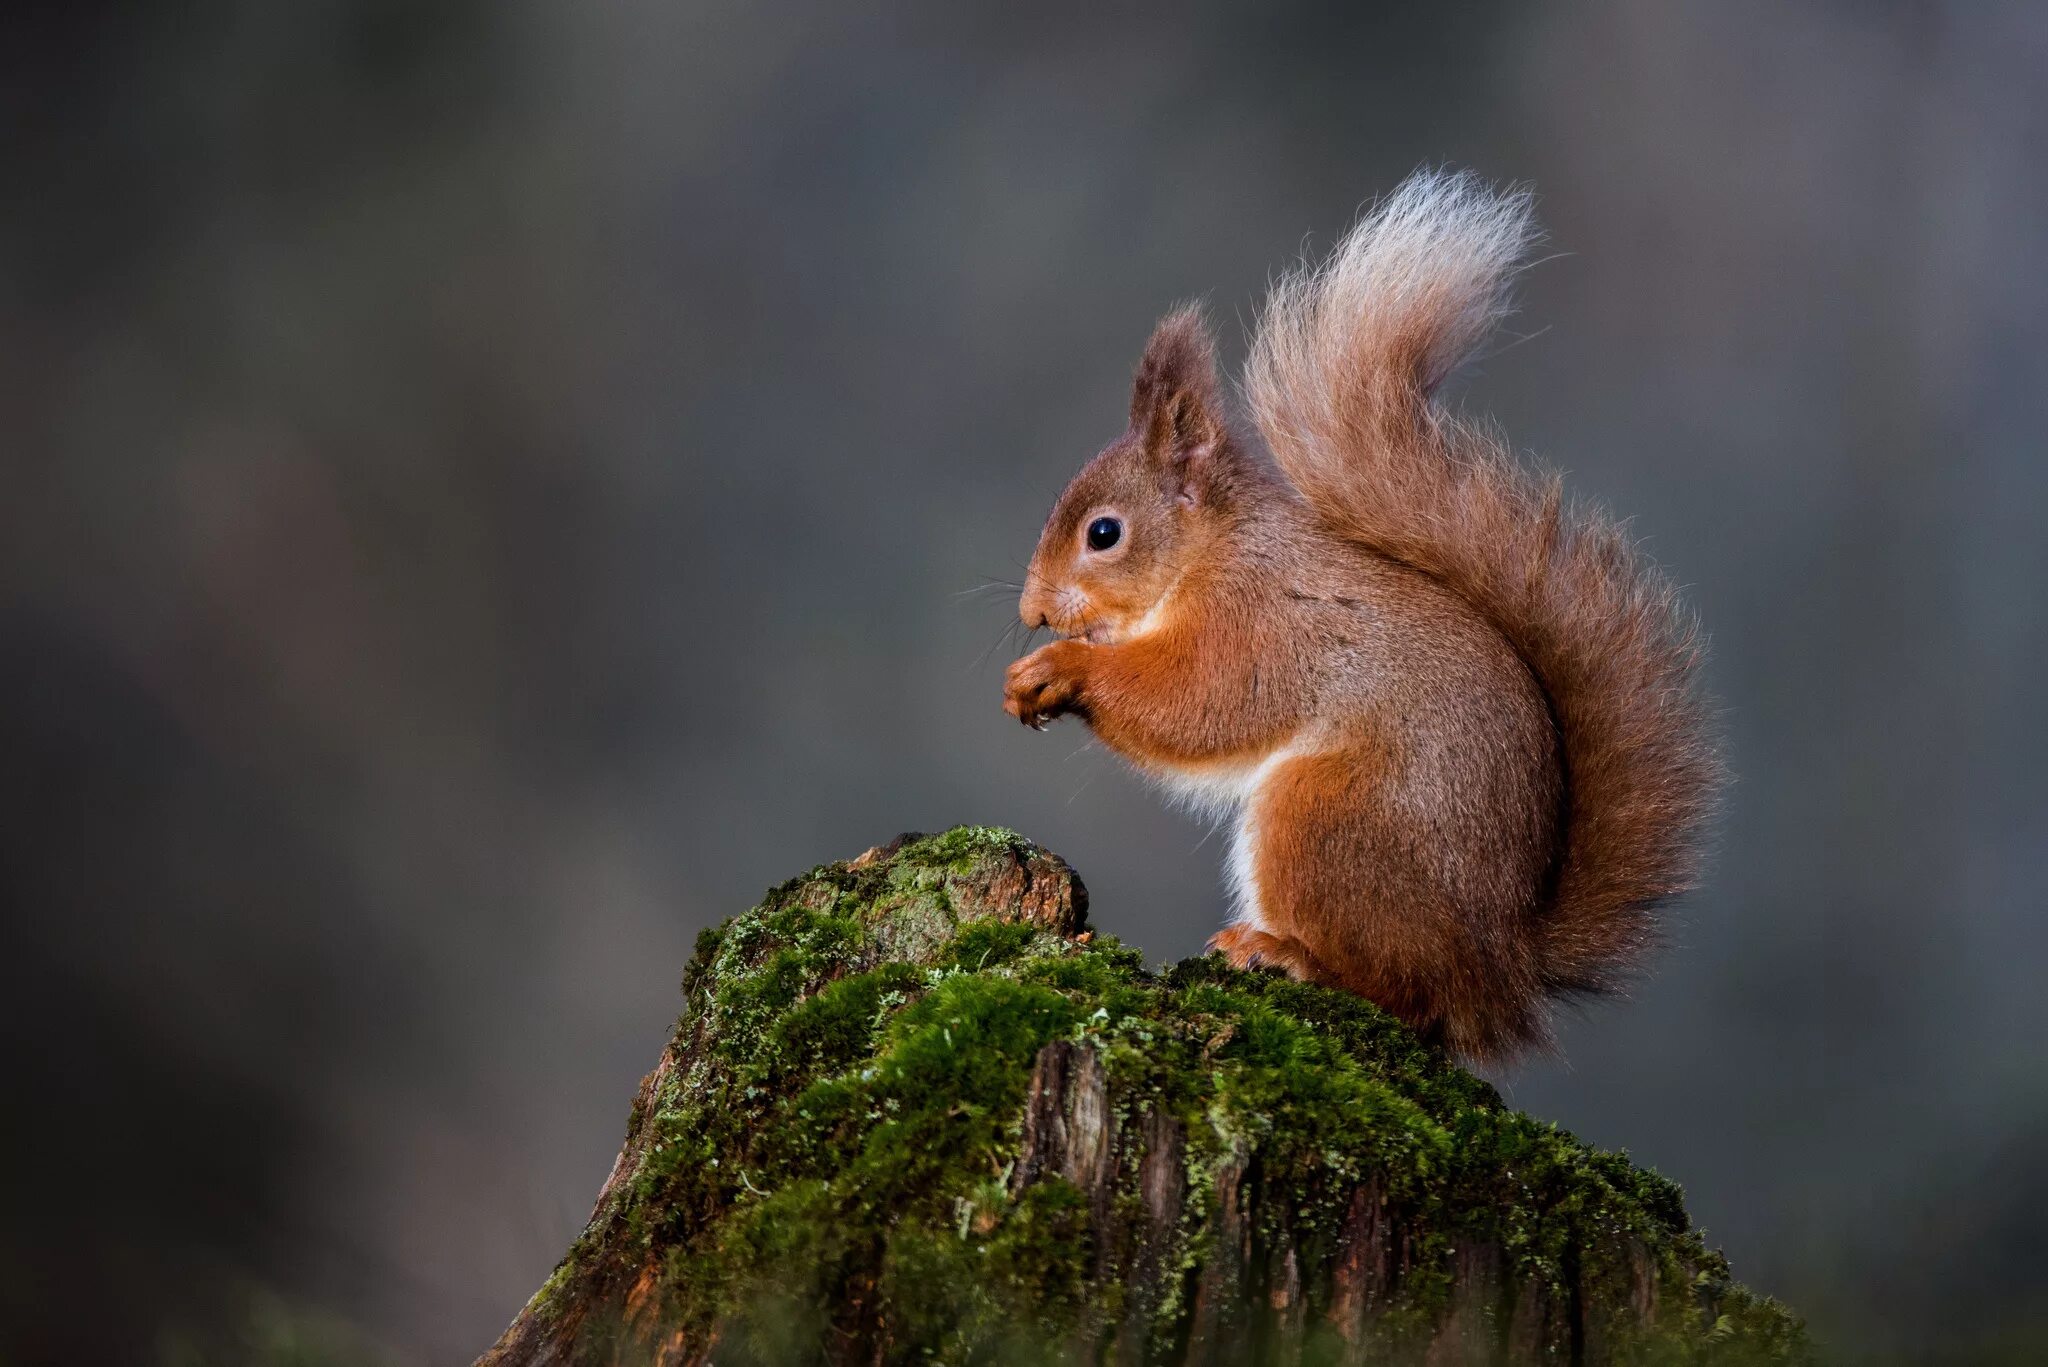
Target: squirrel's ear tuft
{"type": "Point", "coordinates": [1175, 401]}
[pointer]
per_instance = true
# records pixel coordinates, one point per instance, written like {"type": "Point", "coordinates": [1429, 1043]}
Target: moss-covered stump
{"type": "Point", "coordinates": [914, 1111]}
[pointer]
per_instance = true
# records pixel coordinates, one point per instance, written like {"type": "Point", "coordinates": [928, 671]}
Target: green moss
{"type": "Point", "coordinates": [987, 944]}
{"type": "Point", "coordinates": [1003, 1294]}
{"type": "Point", "coordinates": [832, 1028]}
{"type": "Point", "coordinates": [962, 847]}
{"type": "Point", "coordinates": [845, 1111]}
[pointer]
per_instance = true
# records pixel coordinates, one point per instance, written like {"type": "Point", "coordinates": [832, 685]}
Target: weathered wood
{"type": "Point", "coordinates": [914, 1111]}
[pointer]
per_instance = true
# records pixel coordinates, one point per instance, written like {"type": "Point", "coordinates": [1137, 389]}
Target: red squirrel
{"type": "Point", "coordinates": [1453, 720]}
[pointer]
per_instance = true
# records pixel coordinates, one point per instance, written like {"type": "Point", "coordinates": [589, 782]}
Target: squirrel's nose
{"type": "Point", "coordinates": [1032, 607]}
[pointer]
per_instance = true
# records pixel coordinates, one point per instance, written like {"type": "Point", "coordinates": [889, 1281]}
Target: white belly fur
{"type": "Point", "coordinates": [1223, 793]}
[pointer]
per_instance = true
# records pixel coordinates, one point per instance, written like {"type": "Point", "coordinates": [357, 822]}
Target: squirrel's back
{"type": "Point", "coordinates": [1341, 381]}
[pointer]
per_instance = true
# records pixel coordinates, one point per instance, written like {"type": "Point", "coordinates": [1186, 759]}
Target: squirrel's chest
{"type": "Point", "coordinates": [1218, 789]}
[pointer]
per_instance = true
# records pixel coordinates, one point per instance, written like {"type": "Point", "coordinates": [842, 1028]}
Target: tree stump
{"type": "Point", "coordinates": [915, 1111]}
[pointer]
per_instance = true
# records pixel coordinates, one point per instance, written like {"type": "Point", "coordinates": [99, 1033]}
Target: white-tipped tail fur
{"type": "Point", "coordinates": [1405, 298]}
{"type": "Point", "coordinates": [1340, 380]}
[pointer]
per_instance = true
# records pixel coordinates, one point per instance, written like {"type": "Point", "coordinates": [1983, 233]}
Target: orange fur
{"type": "Point", "coordinates": [1454, 722]}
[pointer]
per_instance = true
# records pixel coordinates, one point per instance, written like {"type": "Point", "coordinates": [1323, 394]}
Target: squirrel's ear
{"type": "Point", "coordinates": [1175, 404]}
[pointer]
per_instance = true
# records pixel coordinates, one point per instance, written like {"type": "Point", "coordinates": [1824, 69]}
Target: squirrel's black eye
{"type": "Point", "coordinates": [1104, 532]}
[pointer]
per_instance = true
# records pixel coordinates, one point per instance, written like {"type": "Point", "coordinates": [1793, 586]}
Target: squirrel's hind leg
{"type": "Point", "coordinates": [1348, 888]}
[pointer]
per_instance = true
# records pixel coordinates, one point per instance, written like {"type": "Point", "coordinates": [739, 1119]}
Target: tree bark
{"type": "Point", "coordinates": [915, 1111]}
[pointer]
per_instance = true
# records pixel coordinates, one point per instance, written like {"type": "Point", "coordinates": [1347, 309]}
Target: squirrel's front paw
{"type": "Point", "coordinates": [1046, 683]}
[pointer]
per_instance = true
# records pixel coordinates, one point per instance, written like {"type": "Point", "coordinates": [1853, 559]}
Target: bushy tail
{"type": "Point", "coordinates": [1347, 357]}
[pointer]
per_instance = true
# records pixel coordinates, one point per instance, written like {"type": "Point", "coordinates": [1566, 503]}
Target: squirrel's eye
{"type": "Point", "coordinates": [1104, 532]}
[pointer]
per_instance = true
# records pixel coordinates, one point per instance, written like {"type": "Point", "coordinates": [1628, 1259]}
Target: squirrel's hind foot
{"type": "Point", "coordinates": [1248, 947]}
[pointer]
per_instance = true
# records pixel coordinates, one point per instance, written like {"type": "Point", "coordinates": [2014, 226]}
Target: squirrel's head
{"type": "Point", "coordinates": [1131, 522]}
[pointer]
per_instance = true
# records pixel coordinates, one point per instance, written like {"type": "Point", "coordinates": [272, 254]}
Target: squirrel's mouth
{"type": "Point", "coordinates": [1122, 623]}
{"type": "Point", "coordinates": [1073, 614]}
{"type": "Point", "coordinates": [1094, 633]}
{"type": "Point", "coordinates": [1075, 618]}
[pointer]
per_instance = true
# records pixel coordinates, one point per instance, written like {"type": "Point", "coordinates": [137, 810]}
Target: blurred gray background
{"type": "Point", "coordinates": [487, 487]}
